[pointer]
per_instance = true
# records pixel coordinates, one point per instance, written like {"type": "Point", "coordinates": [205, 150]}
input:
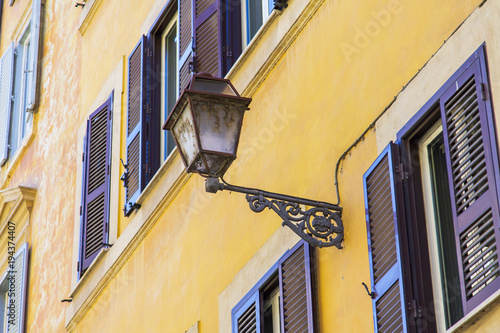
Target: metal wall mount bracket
{"type": "Point", "coordinates": [320, 226]}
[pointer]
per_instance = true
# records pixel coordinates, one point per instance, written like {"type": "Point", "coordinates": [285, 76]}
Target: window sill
{"type": "Point", "coordinates": [471, 318]}
{"type": "Point", "coordinates": [154, 200]}
{"type": "Point", "coordinates": [269, 44]}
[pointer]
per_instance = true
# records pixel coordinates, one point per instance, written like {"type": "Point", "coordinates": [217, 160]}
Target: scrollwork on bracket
{"type": "Point", "coordinates": [319, 226]}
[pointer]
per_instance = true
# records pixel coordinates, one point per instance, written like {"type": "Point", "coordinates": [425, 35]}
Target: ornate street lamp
{"type": "Point", "coordinates": [206, 125]}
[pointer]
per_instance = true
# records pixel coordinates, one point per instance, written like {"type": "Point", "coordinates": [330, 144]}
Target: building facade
{"type": "Point", "coordinates": [384, 108]}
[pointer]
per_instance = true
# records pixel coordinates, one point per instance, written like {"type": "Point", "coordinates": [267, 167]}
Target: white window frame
{"type": "Point", "coordinates": [245, 36]}
{"type": "Point", "coordinates": [20, 98]}
{"type": "Point", "coordinates": [429, 205]}
{"type": "Point", "coordinates": [168, 29]}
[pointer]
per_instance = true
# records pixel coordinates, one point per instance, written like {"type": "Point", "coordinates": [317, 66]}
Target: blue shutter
{"type": "Point", "coordinates": [136, 125]}
{"type": "Point", "coordinates": [389, 312]}
{"type": "Point", "coordinates": [207, 37]}
{"type": "Point", "coordinates": [296, 296]}
{"type": "Point", "coordinates": [247, 318]}
{"type": "Point", "coordinates": [18, 281]}
{"type": "Point", "coordinates": [185, 43]}
{"type": "Point", "coordinates": [6, 90]}
{"type": "Point", "coordinates": [469, 138]}
{"type": "Point", "coordinates": [96, 202]}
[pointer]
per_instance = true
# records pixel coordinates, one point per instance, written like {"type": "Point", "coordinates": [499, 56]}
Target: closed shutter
{"type": "Point", "coordinates": [296, 290]}
{"type": "Point", "coordinates": [383, 243]}
{"type": "Point", "coordinates": [16, 291]}
{"type": "Point", "coordinates": [97, 169]}
{"type": "Point", "coordinates": [136, 124]}
{"type": "Point", "coordinates": [34, 56]}
{"type": "Point", "coordinates": [247, 318]}
{"type": "Point", "coordinates": [206, 28]}
{"type": "Point", "coordinates": [186, 43]}
{"type": "Point", "coordinates": [467, 128]}
{"type": "Point", "coordinates": [6, 89]}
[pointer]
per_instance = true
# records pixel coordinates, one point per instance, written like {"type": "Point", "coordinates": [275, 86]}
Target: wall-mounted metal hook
{"type": "Point", "coordinates": [371, 294]}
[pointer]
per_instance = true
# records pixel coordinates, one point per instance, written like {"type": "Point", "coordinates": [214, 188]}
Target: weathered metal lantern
{"type": "Point", "coordinates": [206, 124]}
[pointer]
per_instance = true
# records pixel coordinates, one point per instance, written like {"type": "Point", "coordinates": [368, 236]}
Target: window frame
{"type": "Point", "coordinates": [417, 233]}
{"type": "Point", "coordinates": [163, 98]}
{"type": "Point", "coordinates": [20, 114]}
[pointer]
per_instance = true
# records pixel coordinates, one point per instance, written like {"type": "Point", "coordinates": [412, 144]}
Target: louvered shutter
{"type": "Point", "coordinates": [247, 318]}
{"type": "Point", "coordinates": [469, 143]}
{"type": "Point", "coordinates": [34, 55]}
{"type": "Point", "coordinates": [383, 243]}
{"type": "Point", "coordinates": [6, 90]}
{"type": "Point", "coordinates": [96, 203]}
{"type": "Point", "coordinates": [206, 28]}
{"type": "Point", "coordinates": [296, 290]}
{"type": "Point", "coordinates": [186, 42]}
{"type": "Point", "coordinates": [136, 124]}
{"type": "Point", "coordinates": [16, 300]}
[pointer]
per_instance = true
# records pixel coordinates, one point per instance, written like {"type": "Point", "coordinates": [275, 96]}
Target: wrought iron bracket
{"type": "Point", "coordinates": [320, 226]}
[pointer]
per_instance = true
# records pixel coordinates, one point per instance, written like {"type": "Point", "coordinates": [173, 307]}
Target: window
{"type": "Point", "coordinates": [282, 299]}
{"type": "Point", "coordinates": [153, 89]}
{"type": "Point", "coordinates": [189, 36]}
{"type": "Point", "coordinates": [441, 236]}
{"type": "Point", "coordinates": [433, 219]}
{"type": "Point", "coordinates": [169, 81]}
{"type": "Point", "coordinates": [18, 85]}
{"type": "Point", "coordinates": [13, 292]}
{"type": "Point", "coordinates": [21, 119]}
{"type": "Point", "coordinates": [96, 185]}
{"type": "Point", "coordinates": [254, 14]}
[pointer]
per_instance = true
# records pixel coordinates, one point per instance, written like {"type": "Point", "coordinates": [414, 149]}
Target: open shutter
{"type": "Point", "coordinates": [468, 135]}
{"type": "Point", "coordinates": [34, 56]}
{"type": "Point", "coordinates": [383, 243]}
{"type": "Point", "coordinates": [6, 89]}
{"type": "Point", "coordinates": [296, 290]}
{"type": "Point", "coordinates": [186, 43]}
{"type": "Point", "coordinates": [247, 318]}
{"type": "Point", "coordinates": [136, 124]}
{"type": "Point", "coordinates": [96, 203]}
{"type": "Point", "coordinates": [206, 33]}
{"type": "Point", "coordinates": [18, 278]}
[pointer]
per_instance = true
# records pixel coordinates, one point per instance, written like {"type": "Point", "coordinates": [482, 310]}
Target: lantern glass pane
{"type": "Point", "coordinates": [185, 134]}
{"type": "Point", "coordinates": [219, 126]}
{"type": "Point", "coordinates": [213, 86]}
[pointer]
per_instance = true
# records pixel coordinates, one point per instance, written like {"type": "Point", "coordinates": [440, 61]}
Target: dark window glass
{"type": "Point", "coordinates": [254, 17]}
{"type": "Point", "coordinates": [450, 282]}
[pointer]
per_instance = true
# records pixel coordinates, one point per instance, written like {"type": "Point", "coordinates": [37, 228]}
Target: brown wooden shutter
{"type": "Point", "coordinates": [96, 187]}
{"type": "Point", "coordinates": [296, 290]}
{"type": "Point", "coordinates": [207, 36]}
{"type": "Point", "coordinates": [469, 137]}
{"type": "Point", "coordinates": [383, 243]}
{"type": "Point", "coordinates": [136, 125]}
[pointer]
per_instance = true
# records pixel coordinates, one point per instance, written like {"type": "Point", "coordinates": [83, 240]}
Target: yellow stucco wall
{"type": "Point", "coordinates": [175, 276]}
{"type": "Point", "coordinates": [330, 84]}
{"type": "Point", "coordinates": [49, 162]}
